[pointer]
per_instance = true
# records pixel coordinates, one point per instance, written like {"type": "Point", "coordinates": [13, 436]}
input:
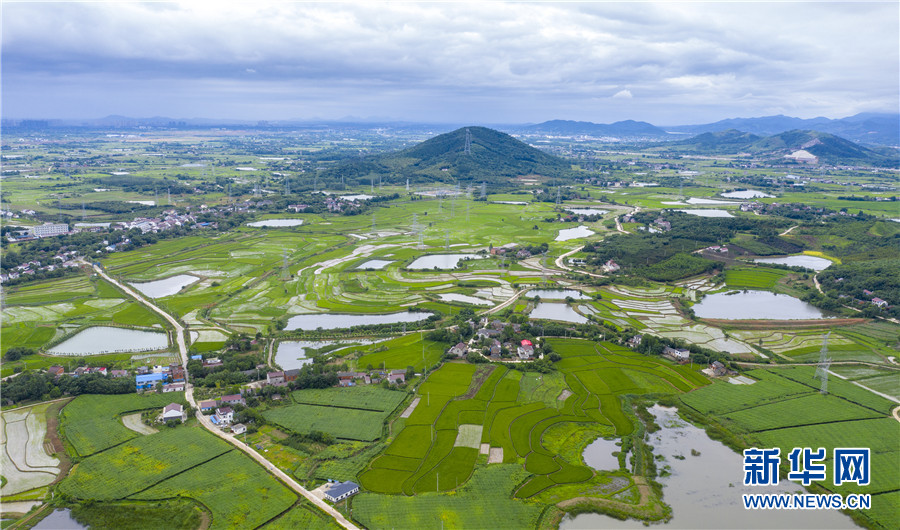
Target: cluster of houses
{"type": "Point", "coordinates": [490, 333]}
{"type": "Point", "coordinates": [167, 378]}
{"type": "Point", "coordinates": [168, 220]}
{"type": "Point", "coordinates": [62, 260]}
{"type": "Point", "coordinates": [221, 413]}
{"type": "Point", "coordinates": [510, 249]}
{"type": "Point", "coordinates": [57, 371]}
{"type": "Point", "coordinates": [394, 377]}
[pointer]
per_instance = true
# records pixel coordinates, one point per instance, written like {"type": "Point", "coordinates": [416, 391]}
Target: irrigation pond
{"type": "Point", "coordinates": [808, 262]}
{"type": "Point", "coordinates": [441, 261]}
{"type": "Point", "coordinates": [165, 287]}
{"type": "Point", "coordinates": [746, 305]}
{"type": "Point", "coordinates": [562, 312]}
{"type": "Point", "coordinates": [343, 321]}
{"type": "Point", "coordinates": [103, 339]}
{"type": "Point", "coordinates": [276, 223]}
{"type": "Point", "coordinates": [704, 487]}
{"type": "Point", "coordinates": [578, 232]}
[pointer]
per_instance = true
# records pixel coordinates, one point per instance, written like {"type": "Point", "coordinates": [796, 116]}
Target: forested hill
{"type": "Point", "coordinates": [492, 156]}
{"type": "Point", "coordinates": [827, 148]}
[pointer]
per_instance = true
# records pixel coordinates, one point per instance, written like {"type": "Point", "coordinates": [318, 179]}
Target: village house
{"type": "Point", "coordinates": [147, 381]}
{"type": "Point", "coordinates": [526, 349]}
{"type": "Point", "coordinates": [238, 428]}
{"type": "Point", "coordinates": [174, 411]}
{"type": "Point", "coordinates": [207, 405]}
{"type": "Point", "coordinates": [459, 350]}
{"type": "Point", "coordinates": [291, 375]}
{"type": "Point", "coordinates": [341, 490]}
{"type": "Point", "coordinates": [611, 266]}
{"type": "Point", "coordinates": [56, 370]}
{"type": "Point", "coordinates": [173, 387]}
{"type": "Point", "coordinates": [224, 416]}
{"type": "Point", "coordinates": [275, 378]}
{"type": "Point", "coordinates": [396, 377]}
{"type": "Point", "coordinates": [635, 341]}
{"type": "Point", "coordinates": [717, 369]}
{"type": "Point", "coordinates": [679, 355]}
{"type": "Point", "coordinates": [233, 399]}
{"type": "Point", "coordinates": [879, 302]}
{"type": "Point", "coordinates": [118, 373]}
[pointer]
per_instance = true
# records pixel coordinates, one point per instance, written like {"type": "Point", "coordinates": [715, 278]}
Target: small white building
{"type": "Point", "coordinates": [238, 428]}
{"type": "Point", "coordinates": [174, 411]}
{"type": "Point", "coordinates": [341, 490]}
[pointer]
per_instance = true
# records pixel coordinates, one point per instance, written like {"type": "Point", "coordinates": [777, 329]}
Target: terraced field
{"type": "Point", "coordinates": [518, 416]}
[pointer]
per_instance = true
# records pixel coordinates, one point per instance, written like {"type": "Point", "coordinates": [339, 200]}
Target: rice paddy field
{"type": "Point", "coordinates": [354, 413]}
{"type": "Point", "coordinates": [784, 409]}
{"type": "Point", "coordinates": [485, 445]}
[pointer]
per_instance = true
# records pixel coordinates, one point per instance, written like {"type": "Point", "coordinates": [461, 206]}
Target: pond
{"type": "Point", "coordinates": [707, 213]}
{"type": "Point", "coordinates": [274, 223]}
{"type": "Point", "coordinates": [809, 262]}
{"type": "Point", "coordinates": [165, 287]}
{"type": "Point", "coordinates": [698, 200]}
{"type": "Point", "coordinates": [705, 491]}
{"type": "Point", "coordinates": [746, 194]}
{"type": "Point", "coordinates": [599, 455]}
{"type": "Point", "coordinates": [755, 305]}
{"type": "Point", "coordinates": [102, 339]}
{"type": "Point", "coordinates": [441, 261]}
{"type": "Point", "coordinates": [342, 321]}
{"type": "Point", "coordinates": [360, 197]}
{"type": "Point", "coordinates": [558, 294]}
{"type": "Point", "coordinates": [519, 203]}
{"type": "Point", "coordinates": [291, 355]}
{"type": "Point", "coordinates": [59, 519]}
{"type": "Point", "coordinates": [561, 312]}
{"type": "Point", "coordinates": [375, 264]}
{"type": "Point", "coordinates": [587, 211]}
{"type": "Point", "coordinates": [454, 297]}
{"type": "Point", "coordinates": [574, 233]}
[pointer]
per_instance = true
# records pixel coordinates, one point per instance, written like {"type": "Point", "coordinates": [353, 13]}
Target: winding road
{"type": "Point", "coordinates": [205, 421]}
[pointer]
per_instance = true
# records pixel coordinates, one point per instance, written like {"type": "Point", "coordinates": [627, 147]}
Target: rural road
{"type": "Point", "coordinates": [496, 308]}
{"type": "Point", "coordinates": [561, 265]}
{"type": "Point", "coordinates": [205, 421]}
{"type": "Point", "coordinates": [788, 231]}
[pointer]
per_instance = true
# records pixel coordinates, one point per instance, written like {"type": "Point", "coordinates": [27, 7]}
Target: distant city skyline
{"type": "Point", "coordinates": [664, 63]}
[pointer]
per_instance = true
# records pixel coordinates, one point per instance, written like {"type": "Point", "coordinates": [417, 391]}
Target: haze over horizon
{"type": "Point", "coordinates": [667, 63]}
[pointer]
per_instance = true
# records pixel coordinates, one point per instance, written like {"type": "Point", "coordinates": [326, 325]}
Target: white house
{"type": "Point", "coordinates": [174, 411]}
{"type": "Point", "coordinates": [238, 428]}
{"type": "Point", "coordinates": [225, 415]}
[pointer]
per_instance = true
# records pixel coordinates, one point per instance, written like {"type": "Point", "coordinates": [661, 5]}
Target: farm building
{"type": "Point", "coordinates": [238, 428]}
{"type": "Point", "coordinates": [275, 378]}
{"type": "Point", "coordinates": [396, 377]}
{"type": "Point", "coordinates": [148, 381]}
{"type": "Point", "coordinates": [118, 373]}
{"type": "Point", "coordinates": [233, 399]}
{"type": "Point", "coordinates": [173, 387]}
{"type": "Point", "coordinates": [55, 370]}
{"type": "Point", "coordinates": [208, 404]}
{"type": "Point", "coordinates": [174, 411]}
{"type": "Point", "coordinates": [291, 375]}
{"type": "Point", "coordinates": [525, 350]}
{"type": "Point", "coordinates": [341, 490]}
{"type": "Point", "coordinates": [677, 354]}
{"type": "Point", "coordinates": [459, 350]}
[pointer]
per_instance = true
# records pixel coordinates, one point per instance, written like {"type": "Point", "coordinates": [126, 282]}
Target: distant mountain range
{"type": "Point", "coordinates": [466, 154]}
{"type": "Point", "coordinates": [619, 129]}
{"type": "Point", "coordinates": [826, 148]}
{"type": "Point", "coordinates": [867, 128]}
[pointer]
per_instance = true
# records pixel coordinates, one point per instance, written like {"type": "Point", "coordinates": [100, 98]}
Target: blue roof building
{"type": "Point", "coordinates": [341, 490]}
{"type": "Point", "coordinates": [146, 381]}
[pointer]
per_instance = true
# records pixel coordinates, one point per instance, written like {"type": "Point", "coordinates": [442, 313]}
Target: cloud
{"type": "Point", "coordinates": [492, 62]}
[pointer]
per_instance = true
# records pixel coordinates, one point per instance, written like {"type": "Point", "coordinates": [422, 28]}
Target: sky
{"type": "Point", "coordinates": [492, 62]}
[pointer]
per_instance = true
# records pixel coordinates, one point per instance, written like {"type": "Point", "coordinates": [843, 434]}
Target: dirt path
{"type": "Point", "coordinates": [645, 502]}
{"type": "Point", "coordinates": [503, 305]}
{"type": "Point", "coordinates": [788, 231]}
{"type": "Point", "coordinates": [133, 422]}
{"type": "Point", "coordinates": [896, 413]}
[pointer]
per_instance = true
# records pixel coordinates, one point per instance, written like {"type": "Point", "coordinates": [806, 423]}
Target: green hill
{"type": "Point", "coordinates": [492, 156]}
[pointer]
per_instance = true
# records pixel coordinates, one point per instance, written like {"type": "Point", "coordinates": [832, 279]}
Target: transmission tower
{"type": "Point", "coordinates": [374, 233]}
{"type": "Point", "coordinates": [446, 240]}
{"type": "Point", "coordinates": [824, 364]}
{"type": "Point", "coordinates": [484, 190]}
{"type": "Point", "coordinates": [468, 204]}
{"type": "Point", "coordinates": [82, 210]}
{"type": "Point", "coordinates": [168, 195]}
{"type": "Point", "coordinates": [285, 275]}
{"type": "Point", "coordinates": [407, 185]}
{"type": "Point", "coordinates": [558, 195]}
{"type": "Point", "coordinates": [468, 148]}
{"type": "Point", "coordinates": [287, 186]}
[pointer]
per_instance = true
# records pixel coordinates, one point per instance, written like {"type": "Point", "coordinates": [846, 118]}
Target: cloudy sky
{"type": "Point", "coordinates": [666, 63]}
